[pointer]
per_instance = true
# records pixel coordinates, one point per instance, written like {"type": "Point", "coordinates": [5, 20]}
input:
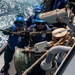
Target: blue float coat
{"type": "Point", "coordinates": [16, 40]}
{"type": "Point", "coordinates": [40, 37]}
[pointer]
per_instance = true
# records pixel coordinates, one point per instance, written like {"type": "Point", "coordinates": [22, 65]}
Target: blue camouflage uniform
{"type": "Point", "coordinates": [14, 40]}
{"type": "Point", "coordinates": [40, 37]}
{"type": "Point", "coordinates": [36, 39]}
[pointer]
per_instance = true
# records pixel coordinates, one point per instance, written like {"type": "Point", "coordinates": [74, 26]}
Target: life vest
{"type": "Point", "coordinates": [40, 37]}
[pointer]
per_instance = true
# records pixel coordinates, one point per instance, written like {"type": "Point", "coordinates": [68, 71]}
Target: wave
{"type": "Point", "coordinates": [10, 8]}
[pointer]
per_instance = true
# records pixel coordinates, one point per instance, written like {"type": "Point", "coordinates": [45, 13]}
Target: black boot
{"type": "Point", "coordinates": [5, 68]}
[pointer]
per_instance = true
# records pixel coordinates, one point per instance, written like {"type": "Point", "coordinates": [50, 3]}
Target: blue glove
{"type": "Point", "coordinates": [13, 27]}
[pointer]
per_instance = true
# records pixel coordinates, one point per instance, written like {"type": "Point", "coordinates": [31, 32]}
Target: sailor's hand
{"type": "Point", "coordinates": [32, 33]}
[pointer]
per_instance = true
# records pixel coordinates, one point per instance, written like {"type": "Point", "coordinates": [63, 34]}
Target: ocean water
{"type": "Point", "coordinates": [8, 11]}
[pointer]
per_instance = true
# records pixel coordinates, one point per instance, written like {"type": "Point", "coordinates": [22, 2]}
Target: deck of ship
{"type": "Point", "coordinates": [11, 70]}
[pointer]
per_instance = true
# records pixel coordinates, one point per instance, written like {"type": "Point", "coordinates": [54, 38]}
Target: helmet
{"type": "Point", "coordinates": [38, 19]}
{"type": "Point", "coordinates": [38, 8]}
{"type": "Point", "coordinates": [20, 19]}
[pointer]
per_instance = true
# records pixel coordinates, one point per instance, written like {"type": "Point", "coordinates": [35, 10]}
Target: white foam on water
{"type": "Point", "coordinates": [10, 8]}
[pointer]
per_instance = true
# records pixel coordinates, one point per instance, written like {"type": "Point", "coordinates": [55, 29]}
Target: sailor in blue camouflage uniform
{"type": "Point", "coordinates": [14, 40]}
{"type": "Point", "coordinates": [37, 9]}
{"type": "Point", "coordinates": [40, 25]}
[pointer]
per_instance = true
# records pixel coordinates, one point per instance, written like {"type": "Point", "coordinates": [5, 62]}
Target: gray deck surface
{"type": "Point", "coordinates": [11, 70]}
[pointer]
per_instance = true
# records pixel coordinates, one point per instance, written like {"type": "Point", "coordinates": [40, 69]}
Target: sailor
{"type": "Point", "coordinates": [40, 25]}
{"type": "Point", "coordinates": [37, 9]}
{"type": "Point", "coordinates": [14, 40]}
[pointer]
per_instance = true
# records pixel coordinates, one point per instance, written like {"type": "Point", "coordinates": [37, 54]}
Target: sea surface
{"type": "Point", "coordinates": [8, 11]}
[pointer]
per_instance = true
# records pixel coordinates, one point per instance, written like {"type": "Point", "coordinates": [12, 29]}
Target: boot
{"type": "Point", "coordinates": [5, 68]}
